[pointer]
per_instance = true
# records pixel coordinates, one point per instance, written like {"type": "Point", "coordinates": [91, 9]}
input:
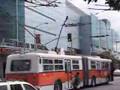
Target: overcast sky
{"type": "Point", "coordinates": [112, 16]}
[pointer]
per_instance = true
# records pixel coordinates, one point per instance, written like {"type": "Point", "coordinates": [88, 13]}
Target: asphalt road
{"type": "Point", "coordinates": [115, 85]}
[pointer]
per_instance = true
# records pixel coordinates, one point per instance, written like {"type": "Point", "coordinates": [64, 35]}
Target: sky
{"type": "Point", "coordinates": [112, 16]}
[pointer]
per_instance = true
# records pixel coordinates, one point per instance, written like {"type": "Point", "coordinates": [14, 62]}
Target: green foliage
{"type": "Point", "coordinates": [108, 55]}
{"type": "Point", "coordinates": [91, 1]}
{"type": "Point", "coordinates": [113, 4]}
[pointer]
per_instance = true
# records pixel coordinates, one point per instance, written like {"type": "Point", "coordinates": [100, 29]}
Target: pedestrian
{"type": "Point", "coordinates": [76, 81]}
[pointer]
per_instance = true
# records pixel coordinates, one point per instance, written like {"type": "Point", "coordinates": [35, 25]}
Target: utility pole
{"type": "Point", "coordinates": [60, 33]}
{"type": "Point", "coordinates": [17, 37]}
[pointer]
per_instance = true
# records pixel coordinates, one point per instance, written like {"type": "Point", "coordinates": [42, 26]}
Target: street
{"type": "Point", "coordinates": [115, 85]}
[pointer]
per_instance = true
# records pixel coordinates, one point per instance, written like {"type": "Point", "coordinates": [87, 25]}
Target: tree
{"type": "Point", "coordinates": [108, 55]}
{"type": "Point", "coordinates": [113, 4]}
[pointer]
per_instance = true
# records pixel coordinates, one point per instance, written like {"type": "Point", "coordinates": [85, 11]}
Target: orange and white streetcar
{"type": "Point", "coordinates": [51, 71]}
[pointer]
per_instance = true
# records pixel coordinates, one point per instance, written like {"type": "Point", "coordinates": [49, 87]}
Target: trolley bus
{"type": "Point", "coordinates": [58, 72]}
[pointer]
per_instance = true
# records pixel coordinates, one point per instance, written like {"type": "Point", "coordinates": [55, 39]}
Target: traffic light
{"type": "Point", "coordinates": [69, 37]}
{"type": "Point", "coordinates": [37, 38]}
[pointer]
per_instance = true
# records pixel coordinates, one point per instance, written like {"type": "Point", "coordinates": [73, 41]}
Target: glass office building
{"type": "Point", "coordinates": [96, 35]}
{"type": "Point", "coordinates": [12, 20]}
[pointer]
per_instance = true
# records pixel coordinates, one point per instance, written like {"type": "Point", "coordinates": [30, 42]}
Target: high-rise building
{"type": "Point", "coordinates": [96, 35]}
{"type": "Point", "coordinates": [11, 28]}
{"type": "Point", "coordinates": [12, 20]}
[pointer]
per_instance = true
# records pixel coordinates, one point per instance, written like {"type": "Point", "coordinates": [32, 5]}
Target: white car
{"type": "Point", "coordinates": [16, 85]}
{"type": "Point", "coordinates": [117, 72]}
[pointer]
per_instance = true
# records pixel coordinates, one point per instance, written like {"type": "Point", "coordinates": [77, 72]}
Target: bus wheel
{"type": "Point", "coordinates": [93, 82]}
{"type": "Point", "coordinates": [58, 85]}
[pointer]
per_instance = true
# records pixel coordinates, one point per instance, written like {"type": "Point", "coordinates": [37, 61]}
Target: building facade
{"type": "Point", "coordinates": [96, 35]}
{"type": "Point", "coordinates": [12, 20]}
{"type": "Point", "coordinates": [11, 29]}
{"type": "Point", "coordinates": [56, 23]}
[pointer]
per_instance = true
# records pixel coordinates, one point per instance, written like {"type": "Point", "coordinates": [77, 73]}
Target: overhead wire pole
{"type": "Point", "coordinates": [31, 35]}
{"type": "Point", "coordinates": [17, 37]}
{"type": "Point", "coordinates": [60, 33]}
{"type": "Point", "coordinates": [53, 40]}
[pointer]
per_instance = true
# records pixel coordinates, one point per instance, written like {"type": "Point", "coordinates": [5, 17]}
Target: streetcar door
{"type": "Point", "coordinates": [111, 71]}
{"type": "Point", "coordinates": [85, 71]}
{"type": "Point", "coordinates": [68, 71]}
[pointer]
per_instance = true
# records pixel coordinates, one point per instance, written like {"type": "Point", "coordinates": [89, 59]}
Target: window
{"type": "Point", "coordinates": [20, 65]}
{"type": "Point", "coordinates": [98, 65]}
{"type": "Point", "coordinates": [58, 61]}
{"type": "Point", "coordinates": [105, 65]}
{"type": "Point", "coordinates": [47, 61]}
{"type": "Point", "coordinates": [16, 87]}
{"type": "Point", "coordinates": [93, 65]}
{"type": "Point", "coordinates": [76, 67]}
{"type": "Point", "coordinates": [75, 61]}
{"type": "Point", "coordinates": [75, 64]}
{"type": "Point", "coordinates": [58, 67]}
{"type": "Point", "coordinates": [48, 67]}
{"type": "Point", "coordinates": [58, 64]}
{"type": "Point", "coordinates": [40, 61]}
{"type": "Point", "coordinates": [28, 87]}
{"type": "Point", "coordinates": [4, 87]}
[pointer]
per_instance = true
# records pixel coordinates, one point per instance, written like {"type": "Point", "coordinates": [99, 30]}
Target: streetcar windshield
{"type": "Point", "coordinates": [20, 65]}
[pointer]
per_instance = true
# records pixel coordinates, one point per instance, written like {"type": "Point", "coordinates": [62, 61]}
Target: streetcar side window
{"type": "Point", "coordinates": [58, 64]}
{"type": "Point", "coordinates": [20, 65]}
{"type": "Point", "coordinates": [47, 61]}
{"type": "Point", "coordinates": [98, 66]}
{"type": "Point", "coordinates": [75, 64]}
{"type": "Point", "coordinates": [40, 61]}
{"type": "Point", "coordinates": [58, 61]}
{"type": "Point", "coordinates": [48, 65]}
{"type": "Point", "coordinates": [105, 65]}
{"type": "Point", "coordinates": [58, 67]}
{"type": "Point", "coordinates": [93, 65]}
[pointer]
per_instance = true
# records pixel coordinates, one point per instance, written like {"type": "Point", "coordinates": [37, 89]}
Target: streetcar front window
{"type": "Point", "coordinates": [93, 65]}
{"type": "Point", "coordinates": [20, 65]}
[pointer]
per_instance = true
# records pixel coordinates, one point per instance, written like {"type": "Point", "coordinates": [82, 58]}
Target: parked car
{"type": "Point", "coordinates": [117, 72]}
{"type": "Point", "coordinates": [16, 85]}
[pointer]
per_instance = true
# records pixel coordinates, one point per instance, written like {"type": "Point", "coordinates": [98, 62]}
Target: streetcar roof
{"type": "Point", "coordinates": [45, 55]}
